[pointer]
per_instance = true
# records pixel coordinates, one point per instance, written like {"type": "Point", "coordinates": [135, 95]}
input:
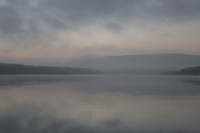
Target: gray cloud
{"type": "Point", "coordinates": [174, 11]}
{"type": "Point", "coordinates": [10, 20]}
{"type": "Point", "coordinates": [112, 123]}
{"type": "Point", "coordinates": [26, 16]}
{"type": "Point", "coordinates": [113, 27]}
{"type": "Point", "coordinates": [24, 19]}
{"type": "Point", "coordinates": [44, 26]}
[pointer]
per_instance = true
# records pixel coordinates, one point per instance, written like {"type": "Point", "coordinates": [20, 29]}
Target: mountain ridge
{"type": "Point", "coordinates": [147, 62]}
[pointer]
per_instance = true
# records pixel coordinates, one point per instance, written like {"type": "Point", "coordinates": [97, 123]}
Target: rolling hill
{"type": "Point", "coordinates": [152, 63]}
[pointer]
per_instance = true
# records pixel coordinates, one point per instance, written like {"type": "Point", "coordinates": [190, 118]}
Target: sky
{"type": "Point", "coordinates": [61, 30]}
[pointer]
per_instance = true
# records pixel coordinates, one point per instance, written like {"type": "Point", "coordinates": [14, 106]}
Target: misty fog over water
{"type": "Point", "coordinates": [98, 104]}
{"type": "Point", "coordinates": [126, 55]}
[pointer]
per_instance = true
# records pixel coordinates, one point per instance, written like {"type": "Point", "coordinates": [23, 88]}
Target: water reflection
{"type": "Point", "coordinates": [134, 84]}
{"type": "Point", "coordinates": [192, 80]}
{"type": "Point", "coordinates": [63, 107]}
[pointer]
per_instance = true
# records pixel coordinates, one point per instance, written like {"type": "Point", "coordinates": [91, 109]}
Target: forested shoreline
{"type": "Point", "coordinates": [187, 71]}
{"type": "Point", "coordinates": [19, 69]}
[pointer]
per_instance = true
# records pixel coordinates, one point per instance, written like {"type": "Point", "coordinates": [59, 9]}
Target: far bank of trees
{"type": "Point", "coordinates": [18, 69]}
{"type": "Point", "coordinates": [187, 71]}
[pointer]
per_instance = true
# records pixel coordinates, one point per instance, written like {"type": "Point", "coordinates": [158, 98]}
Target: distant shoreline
{"type": "Point", "coordinates": [191, 71]}
{"type": "Point", "coordinates": [19, 69]}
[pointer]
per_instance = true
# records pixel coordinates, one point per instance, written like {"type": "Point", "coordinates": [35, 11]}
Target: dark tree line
{"type": "Point", "coordinates": [18, 69]}
{"type": "Point", "coordinates": [187, 71]}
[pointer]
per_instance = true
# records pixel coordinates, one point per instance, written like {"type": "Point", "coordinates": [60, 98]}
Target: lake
{"type": "Point", "coordinates": [100, 104]}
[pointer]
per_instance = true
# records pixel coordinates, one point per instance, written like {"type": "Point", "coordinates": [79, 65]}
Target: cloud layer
{"type": "Point", "coordinates": [74, 25]}
{"type": "Point", "coordinates": [27, 16]}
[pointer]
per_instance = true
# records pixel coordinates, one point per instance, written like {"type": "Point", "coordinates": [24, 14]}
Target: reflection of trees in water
{"type": "Point", "coordinates": [18, 80]}
{"type": "Point", "coordinates": [195, 80]}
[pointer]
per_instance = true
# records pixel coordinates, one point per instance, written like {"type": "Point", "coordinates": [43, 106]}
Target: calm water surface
{"type": "Point", "coordinates": [100, 104]}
